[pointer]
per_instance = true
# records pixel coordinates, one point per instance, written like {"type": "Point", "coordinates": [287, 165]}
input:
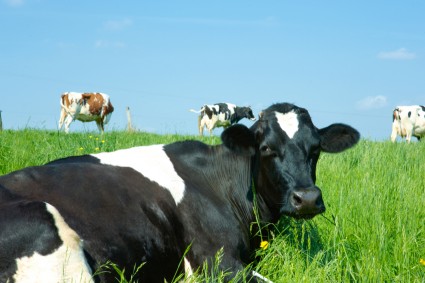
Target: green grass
{"type": "Point", "coordinates": [373, 229]}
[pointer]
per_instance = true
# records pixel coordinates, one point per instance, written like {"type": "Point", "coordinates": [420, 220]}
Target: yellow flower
{"type": "Point", "coordinates": [422, 261]}
{"type": "Point", "coordinates": [90, 137]}
{"type": "Point", "coordinates": [264, 245]}
{"type": "Point", "coordinates": [97, 139]}
{"type": "Point", "coordinates": [96, 148]}
{"type": "Point", "coordinates": [81, 148]}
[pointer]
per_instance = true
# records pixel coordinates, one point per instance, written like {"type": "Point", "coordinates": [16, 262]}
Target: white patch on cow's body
{"type": "Point", "coordinates": [187, 268]}
{"type": "Point", "coordinates": [65, 264]}
{"type": "Point", "coordinates": [258, 275]}
{"type": "Point", "coordinates": [231, 108]}
{"type": "Point", "coordinates": [222, 120]}
{"type": "Point", "coordinates": [288, 122]}
{"type": "Point", "coordinates": [152, 162]}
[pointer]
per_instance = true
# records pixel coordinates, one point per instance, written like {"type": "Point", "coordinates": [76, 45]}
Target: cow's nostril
{"type": "Point", "coordinates": [297, 199]}
{"type": "Point", "coordinates": [319, 201]}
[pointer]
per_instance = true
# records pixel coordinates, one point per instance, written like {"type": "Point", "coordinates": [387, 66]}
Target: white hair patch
{"type": "Point", "coordinates": [187, 268]}
{"type": "Point", "coordinates": [152, 162]}
{"type": "Point", "coordinates": [288, 122]}
{"type": "Point", "coordinates": [65, 264]}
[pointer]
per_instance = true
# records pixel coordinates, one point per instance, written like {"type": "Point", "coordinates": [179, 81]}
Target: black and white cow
{"type": "Point", "coordinates": [221, 115]}
{"type": "Point", "coordinates": [408, 122]}
{"type": "Point", "coordinates": [148, 204]}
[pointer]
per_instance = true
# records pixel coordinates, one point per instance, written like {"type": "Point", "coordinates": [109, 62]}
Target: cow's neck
{"type": "Point", "coordinates": [217, 170]}
{"type": "Point", "coordinates": [237, 178]}
{"type": "Point", "coordinates": [266, 213]}
{"type": "Point", "coordinates": [229, 175]}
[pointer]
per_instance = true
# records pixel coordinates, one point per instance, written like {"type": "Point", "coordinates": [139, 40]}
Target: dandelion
{"type": "Point", "coordinates": [264, 245]}
{"type": "Point", "coordinates": [96, 149]}
{"type": "Point", "coordinates": [103, 141]}
{"type": "Point", "coordinates": [90, 137]}
{"type": "Point", "coordinates": [97, 139]}
{"type": "Point", "coordinates": [422, 261]}
{"type": "Point", "coordinates": [81, 148]}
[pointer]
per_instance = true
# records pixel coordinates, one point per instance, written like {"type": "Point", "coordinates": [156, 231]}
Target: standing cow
{"type": "Point", "coordinates": [221, 115]}
{"type": "Point", "coordinates": [148, 204]}
{"type": "Point", "coordinates": [408, 121]}
{"type": "Point", "coordinates": [85, 107]}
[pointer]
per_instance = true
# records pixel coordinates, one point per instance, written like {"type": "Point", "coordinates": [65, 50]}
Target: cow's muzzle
{"type": "Point", "coordinates": [306, 202]}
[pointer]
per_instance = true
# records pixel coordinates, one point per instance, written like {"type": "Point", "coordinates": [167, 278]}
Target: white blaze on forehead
{"type": "Point", "coordinates": [152, 162]}
{"type": "Point", "coordinates": [65, 264]}
{"type": "Point", "coordinates": [288, 122]}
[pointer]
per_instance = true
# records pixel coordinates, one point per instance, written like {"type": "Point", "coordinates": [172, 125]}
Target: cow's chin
{"type": "Point", "coordinates": [304, 216]}
{"type": "Point", "coordinates": [299, 216]}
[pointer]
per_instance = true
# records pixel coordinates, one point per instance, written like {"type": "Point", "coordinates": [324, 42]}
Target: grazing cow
{"type": "Point", "coordinates": [149, 204]}
{"type": "Point", "coordinates": [85, 107]}
{"type": "Point", "coordinates": [408, 121]}
{"type": "Point", "coordinates": [221, 115]}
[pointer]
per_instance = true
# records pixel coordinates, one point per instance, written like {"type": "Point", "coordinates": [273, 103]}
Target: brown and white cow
{"type": "Point", "coordinates": [408, 121]}
{"type": "Point", "coordinates": [85, 107]}
{"type": "Point", "coordinates": [221, 115]}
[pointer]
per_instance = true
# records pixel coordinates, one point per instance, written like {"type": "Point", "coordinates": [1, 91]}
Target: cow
{"type": "Point", "coordinates": [162, 205]}
{"type": "Point", "coordinates": [221, 115]}
{"type": "Point", "coordinates": [85, 107]}
{"type": "Point", "coordinates": [408, 121]}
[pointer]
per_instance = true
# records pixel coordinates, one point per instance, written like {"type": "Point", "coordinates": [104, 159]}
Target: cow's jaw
{"type": "Point", "coordinates": [300, 202]}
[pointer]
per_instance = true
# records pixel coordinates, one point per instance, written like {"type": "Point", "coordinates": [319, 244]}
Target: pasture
{"type": "Point", "coordinates": [373, 229]}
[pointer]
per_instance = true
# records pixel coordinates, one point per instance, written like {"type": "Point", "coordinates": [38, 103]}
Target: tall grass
{"type": "Point", "coordinates": [373, 229]}
{"type": "Point", "coordinates": [29, 147]}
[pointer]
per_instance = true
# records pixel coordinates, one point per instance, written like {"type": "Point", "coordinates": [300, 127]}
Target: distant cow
{"type": "Point", "coordinates": [148, 204]}
{"type": "Point", "coordinates": [85, 107]}
{"type": "Point", "coordinates": [408, 121]}
{"type": "Point", "coordinates": [221, 115]}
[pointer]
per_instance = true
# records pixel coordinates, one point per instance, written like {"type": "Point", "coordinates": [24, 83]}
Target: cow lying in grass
{"type": "Point", "coordinates": [148, 204]}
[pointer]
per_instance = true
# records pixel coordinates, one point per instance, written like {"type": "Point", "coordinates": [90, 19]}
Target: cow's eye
{"type": "Point", "coordinates": [265, 148]}
{"type": "Point", "coordinates": [267, 151]}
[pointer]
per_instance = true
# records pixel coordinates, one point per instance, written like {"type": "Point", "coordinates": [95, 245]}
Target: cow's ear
{"type": "Point", "coordinates": [239, 139]}
{"type": "Point", "coordinates": [338, 137]}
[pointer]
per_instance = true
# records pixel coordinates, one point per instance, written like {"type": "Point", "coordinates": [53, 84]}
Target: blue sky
{"type": "Point", "coordinates": [345, 61]}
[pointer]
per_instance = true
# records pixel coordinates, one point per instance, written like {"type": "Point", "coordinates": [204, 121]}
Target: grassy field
{"type": "Point", "coordinates": [373, 229]}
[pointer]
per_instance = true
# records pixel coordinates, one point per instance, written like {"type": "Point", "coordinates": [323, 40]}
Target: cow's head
{"type": "Point", "coordinates": [287, 147]}
{"type": "Point", "coordinates": [247, 113]}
